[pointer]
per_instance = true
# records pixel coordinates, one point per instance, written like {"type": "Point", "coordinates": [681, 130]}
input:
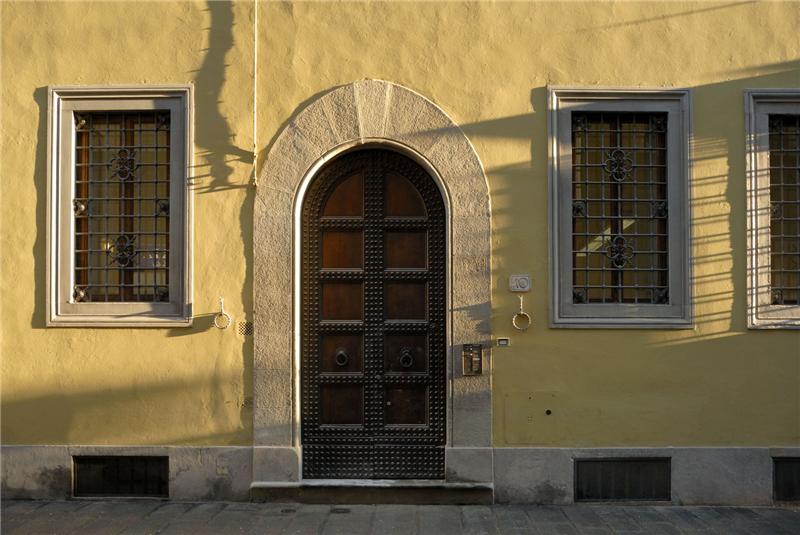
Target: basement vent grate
{"type": "Point", "coordinates": [787, 479]}
{"type": "Point", "coordinates": [622, 480]}
{"type": "Point", "coordinates": [246, 328]}
{"type": "Point", "coordinates": [130, 476]}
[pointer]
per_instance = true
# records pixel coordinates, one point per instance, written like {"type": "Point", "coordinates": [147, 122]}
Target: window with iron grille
{"type": "Point", "coordinates": [773, 140]}
{"type": "Point", "coordinates": [119, 209]}
{"type": "Point", "coordinates": [619, 171]}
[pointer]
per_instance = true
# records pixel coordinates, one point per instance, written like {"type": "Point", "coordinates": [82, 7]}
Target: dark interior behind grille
{"type": "Point", "coordinates": [787, 479]}
{"type": "Point", "coordinates": [121, 476]}
{"type": "Point", "coordinates": [622, 479]}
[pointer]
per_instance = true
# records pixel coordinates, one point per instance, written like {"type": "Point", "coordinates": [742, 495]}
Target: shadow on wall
{"type": "Point", "coordinates": [117, 415]}
{"type": "Point", "coordinates": [719, 238]}
{"type": "Point", "coordinates": [212, 131]}
{"type": "Point", "coordinates": [38, 318]}
{"type": "Point", "coordinates": [213, 134]}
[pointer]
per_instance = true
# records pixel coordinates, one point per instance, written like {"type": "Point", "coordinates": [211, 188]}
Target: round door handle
{"type": "Point", "coordinates": [342, 358]}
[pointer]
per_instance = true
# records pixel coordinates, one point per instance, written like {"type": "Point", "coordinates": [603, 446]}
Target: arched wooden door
{"type": "Point", "coordinates": [373, 367]}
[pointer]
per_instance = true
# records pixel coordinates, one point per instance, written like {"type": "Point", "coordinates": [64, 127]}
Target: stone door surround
{"type": "Point", "coordinates": [367, 113]}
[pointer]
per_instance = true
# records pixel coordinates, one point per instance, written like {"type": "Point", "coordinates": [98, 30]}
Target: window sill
{"type": "Point", "coordinates": [774, 324]}
{"type": "Point", "coordinates": [123, 321]}
{"type": "Point", "coordinates": [621, 323]}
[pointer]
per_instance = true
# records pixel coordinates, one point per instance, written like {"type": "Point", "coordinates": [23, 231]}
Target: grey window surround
{"type": "Point", "coordinates": [676, 103]}
{"type": "Point", "coordinates": [759, 104]}
{"type": "Point", "coordinates": [62, 308]}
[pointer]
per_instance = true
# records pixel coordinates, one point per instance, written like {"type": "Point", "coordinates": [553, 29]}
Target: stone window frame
{"type": "Point", "coordinates": [677, 104]}
{"type": "Point", "coordinates": [357, 115]}
{"type": "Point", "coordinates": [759, 103]}
{"type": "Point", "coordinates": [62, 310]}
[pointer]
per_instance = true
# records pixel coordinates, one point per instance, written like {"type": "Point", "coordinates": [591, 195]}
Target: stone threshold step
{"type": "Point", "coordinates": [375, 492]}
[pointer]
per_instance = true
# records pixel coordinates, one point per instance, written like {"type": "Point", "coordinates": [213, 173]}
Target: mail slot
{"type": "Point", "coordinates": [472, 355]}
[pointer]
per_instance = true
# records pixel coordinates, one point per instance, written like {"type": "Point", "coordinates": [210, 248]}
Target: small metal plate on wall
{"type": "Point", "coordinates": [519, 283]}
{"type": "Point", "coordinates": [472, 359]}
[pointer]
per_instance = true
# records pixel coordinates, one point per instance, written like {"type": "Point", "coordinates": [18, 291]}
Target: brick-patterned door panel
{"type": "Point", "coordinates": [373, 320]}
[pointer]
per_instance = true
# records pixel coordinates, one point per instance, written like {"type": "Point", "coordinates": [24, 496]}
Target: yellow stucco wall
{"type": "Point", "coordinates": [487, 65]}
{"type": "Point", "coordinates": [128, 386]}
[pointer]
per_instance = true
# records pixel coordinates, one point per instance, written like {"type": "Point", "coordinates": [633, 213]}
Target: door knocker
{"type": "Point", "coordinates": [342, 358]}
{"type": "Point", "coordinates": [521, 320]}
{"type": "Point", "coordinates": [406, 360]}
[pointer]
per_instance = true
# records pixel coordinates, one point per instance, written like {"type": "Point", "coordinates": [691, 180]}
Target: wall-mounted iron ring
{"type": "Point", "coordinates": [521, 320]}
{"type": "Point", "coordinates": [222, 320]}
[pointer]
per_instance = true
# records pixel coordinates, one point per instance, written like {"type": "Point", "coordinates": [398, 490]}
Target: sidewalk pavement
{"type": "Point", "coordinates": [109, 517]}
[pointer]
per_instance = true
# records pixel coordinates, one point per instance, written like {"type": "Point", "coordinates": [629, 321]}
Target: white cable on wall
{"type": "Point", "coordinates": [255, 93]}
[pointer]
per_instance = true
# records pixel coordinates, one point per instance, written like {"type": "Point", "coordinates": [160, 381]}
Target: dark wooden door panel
{"type": "Point", "coordinates": [373, 373]}
{"type": "Point", "coordinates": [402, 198]}
{"type": "Point", "coordinates": [406, 300]}
{"type": "Point", "coordinates": [406, 405]}
{"type": "Point", "coordinates": [342, 250]}
{"type": "Point", "coordinates": [406, 249]}
{"type": "Point", "coordinates": [346, 198]}
{"type": "Point", "coordinates": [342, 300]}
{"type": "Point", "coordinates": [341, 404]}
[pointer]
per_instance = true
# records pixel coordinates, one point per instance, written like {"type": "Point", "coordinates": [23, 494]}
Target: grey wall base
{"type": "Point", "coordinates": [700, 476]}
{"type": "Point", "coordinates": [195, 473]}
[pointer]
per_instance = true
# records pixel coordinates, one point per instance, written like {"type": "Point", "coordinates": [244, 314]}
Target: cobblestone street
{"type": "Point", "coordinates": [129, 517]}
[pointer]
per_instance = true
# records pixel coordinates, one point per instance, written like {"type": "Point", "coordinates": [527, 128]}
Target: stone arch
{"type": "Point", "coordinates": [369, 112]}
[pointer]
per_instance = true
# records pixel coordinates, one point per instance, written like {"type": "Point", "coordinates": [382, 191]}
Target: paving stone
{"type": "Point", "coordinates": [272, 519]}
{"type": "Point", "coordinates": [616, 518]}
{"type": "Point", "coordinates": [158, 518]}
{"type": "Point", "coordinates": [308, 519]}
{"type": "Point", "coordinates": [558, 529]}
{"type": "Point", "coordinates": [349, 520]}
{"type": "Point", "coordinates": [650, 520]}
{"type": "Point", "coordinates": [724, 520]}
{"type": "Point", "coordinates": [235, 518]}
{"type": "Point", "coordinates": [21, 506]}
{"type": "Point", "coordinates": [195, 520]}
{"type": "Point", "coordinates": [48, 517]}
{"type": "Point", "coordinates": [478, 520]}
{"type": "Point", "coordinates": [549, 519]}
{"type": "Point", "coordinates": [512, 520]}
{"type": "Point", "coordinates": [546, 514]}
{"type": "Point", "coordinates": [115, 517]}
{"type": "Point", "coordinates": [439, 519]}
{"type": "Point", "coordinates": [683, 519]}
{"type": "Point", "coordinates": [591, 530]}
{"type": "Point", "coordinates": [395, 519]}
{"type": "Point", "coordinates": [15, 513]}
{"type": "Point", "coordinates": [780, 520]}
{"type": "Point", "coordinates": [585, 520]}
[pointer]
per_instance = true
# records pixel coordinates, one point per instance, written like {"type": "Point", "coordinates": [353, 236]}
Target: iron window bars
{"type": "Point", "coordinates": [121, 206]}
{"type": "Point", "coordinates": [784, 193]}
{"type": "Point", "coordinates": [619, 208]}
